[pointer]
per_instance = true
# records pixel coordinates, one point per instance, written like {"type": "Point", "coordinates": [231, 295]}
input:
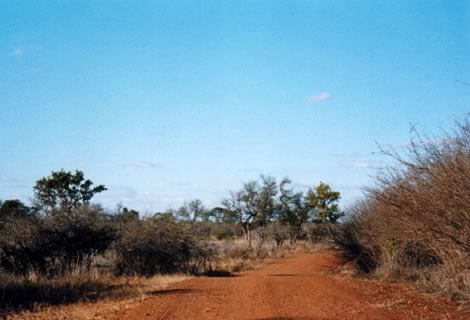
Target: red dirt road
{"type": "Point", "coordinates": [301, 287]}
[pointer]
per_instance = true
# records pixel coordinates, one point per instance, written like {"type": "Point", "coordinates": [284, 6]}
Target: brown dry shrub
{"type": "Point", "coordinates": [272, 233]}
{"type": "Point", "coordinates": [55, 244]}
{"type": "Point", "coordinates": [415, 223]}
{"type": "Point", "coordinates": [159, 245]}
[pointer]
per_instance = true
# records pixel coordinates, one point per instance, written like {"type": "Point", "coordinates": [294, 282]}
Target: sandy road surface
{"type": "Point", "coordinates": [300, 287]}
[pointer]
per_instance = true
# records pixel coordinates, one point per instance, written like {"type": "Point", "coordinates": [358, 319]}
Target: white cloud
{"type": "Point", "coordinates": [21, 51]}
{"type": "Point", "coordinates": [141, 164]}
{"type": "Point", "coordinates": [322, 96]}
{"type": "Point", "coordinates": [358, 160]}
{"type": "Point", "coordinates": [354, 155]}
{"type": "Point", "coordinates": [364, 164]}
{"type": "Point", "coordinates": [361, 165]}
{"type": "Point", "coordinates": [18, 52]}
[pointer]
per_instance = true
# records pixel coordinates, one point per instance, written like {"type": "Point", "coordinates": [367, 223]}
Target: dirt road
{"type": "Point", "coordinates": [302, 287]}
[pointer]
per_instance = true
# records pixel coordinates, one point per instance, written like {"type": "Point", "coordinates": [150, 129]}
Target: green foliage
{"type": "Point", "coordinates": [64, 190]}
{"type": "Point", "coordinates": [324, 201]}
{"type": "Point", "coordinates": [223, 215]}
{"type": "Point", "coordinates": [293, 209]}
{"type": "Point", "coordinates": [254, 205]}
{"type": "Point", "coordinates": [73, 232]}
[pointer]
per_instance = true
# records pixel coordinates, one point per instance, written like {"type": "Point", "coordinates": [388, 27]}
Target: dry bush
{"type": "Point", "coordinates": [416, 222]}
{"type": "Point", "coordinates": [48, 260]}
{"type": "Point", "coordinates": [225, 231]}
{"type": "Point", "coordinates": [272, 233]}
{"type": "Point", "coordinates": [55, 244]}
{"type": "Point", "coordinates": [451, 278]}
{"type": "Point", "coordinates": [321, 232]}
{"type": "Point", "coordinates": [153, 246]}
{"type": "Point", "coordinates": [231, 256]}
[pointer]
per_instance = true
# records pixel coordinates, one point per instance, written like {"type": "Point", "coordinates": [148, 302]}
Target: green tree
{"type": "Point", "coordinates": [64, 190]}
{"type": "Point", "coordinates": [293, 209]}
{"type": "Point", "coordinates": [254, 205]}
{"type": "Point", "coordinates": [11, 209]}
{"type": "Point", "coordinates": [223, 215]}
{"type": "Point", "coordinates": [324, 202]}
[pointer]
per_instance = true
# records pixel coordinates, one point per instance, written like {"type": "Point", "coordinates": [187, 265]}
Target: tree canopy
{"type": "Point", "coordinates": [254, 205]}
{"type": "Point", "coordinates": [324, 202]}
{"type": "Point", "coordinates": [65, 190]}
{"type": "Point", "coordinates": [293, 208]}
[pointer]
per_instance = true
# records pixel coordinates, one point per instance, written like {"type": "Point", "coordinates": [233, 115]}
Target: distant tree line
{"type": "Point", "coordinates": [63, 230]}
{"type": "Point", "coordinates": [260, 203]}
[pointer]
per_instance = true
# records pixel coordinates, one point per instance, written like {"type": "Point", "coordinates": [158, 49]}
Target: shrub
{"type": "Point", "coordinates": [274, 232]}
{"type": "Point", "coordinates": [223, 231]}
{"type": "Point", "coordinates": [321, 231]}
{"type": "Point", "coordinates": [21, 247]}
{"type": "Point", "coordinates": [416, 222]}
{"type": "Point", "coordinates": [55, 243]}
{"type": "Point", "coordinates": [156, 246]}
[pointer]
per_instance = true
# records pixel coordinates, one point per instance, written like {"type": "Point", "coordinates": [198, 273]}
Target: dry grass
{"type": "Point", "coordinates": [125, 290]}
{"type": "Point", "coordinates": [93, 295]}
{"type": "Point", "coordinates": [236, 256]}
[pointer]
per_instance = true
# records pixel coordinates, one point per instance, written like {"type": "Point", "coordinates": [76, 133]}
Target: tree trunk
{"type": "Point", "coordinates": [245, 234]}
{"type": "Point", "coordinates": [293, 234]}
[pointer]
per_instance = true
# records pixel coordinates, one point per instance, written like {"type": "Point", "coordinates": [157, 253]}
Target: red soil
{"type": "Point", "coordinates": [302, 287]}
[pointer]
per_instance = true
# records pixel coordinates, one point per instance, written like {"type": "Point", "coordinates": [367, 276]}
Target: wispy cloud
{"type": "Point", "coordinates": [9, 183]}
{"type": "Point", "coordinates": [361, 165]}
{"type": "Point", "coordinates": [17, 52]}
{"type": "Point", "coordinates": [21, 51]}
{"type": "Point", "coordinates": [141, 164]}
{"type": "Point", "coordinates": [358, 160]}
{"type": "Point", "coordinates": [364, 164]}
{"type": "Point", "coordinates": [322, 96]}
{"type": "Point", "coordinates": [354, 155]}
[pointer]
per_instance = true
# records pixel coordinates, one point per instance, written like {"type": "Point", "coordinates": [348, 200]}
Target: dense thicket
{"type": "Point", "coordinates": [56, 243]}
{"type": "Point", "coordinates": [159, 245]}
{"type": "Point", "coordinates": [416, 221]}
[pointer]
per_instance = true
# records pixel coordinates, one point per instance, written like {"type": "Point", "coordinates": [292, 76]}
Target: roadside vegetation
{"type": "Point", "coordinates": [65, 249]}
{"type": "Point", "coordinates": [414, 223]}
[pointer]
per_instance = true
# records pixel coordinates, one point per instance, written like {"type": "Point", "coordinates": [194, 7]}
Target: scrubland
{"type": "Point", "coordinates": [65, 258]}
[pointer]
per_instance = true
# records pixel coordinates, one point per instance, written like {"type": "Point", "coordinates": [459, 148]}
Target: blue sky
{"type": "Point", "coordinates": [166, 101]}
